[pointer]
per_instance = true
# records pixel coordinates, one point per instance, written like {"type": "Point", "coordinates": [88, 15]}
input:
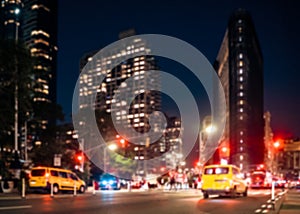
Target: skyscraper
{"type": "Point", "coordinates": [239, 65]}
{"type": "Point", "coordinates": [144, 103]}
{"type": "Point", "coordinates": [35, 23]}
{"type": "Point", "coordinates": [39, 30]}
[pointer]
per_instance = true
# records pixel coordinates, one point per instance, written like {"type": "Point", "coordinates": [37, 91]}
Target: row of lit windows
{"type": "Point", "coordinates": [35, 6]}
{"type": "Point", "coordinates": [37, 32]}
{"type": "Point", "coordinates": [241, 94]}
{"type": "Point", "coordinates": [139, 63]}
{"type": "Point", "coordinates": [40, 67]}
{"type": "Point", "coordinates": [40, 90]}
{"type": "Point", "coordinates": [46, 56]}
{"type": "Point", "coordinates": [11, 21]}
{"type": "Point", "coordinates": [41, 99]}
{"type": "Point", "coordinates": [13, 1]}
{"type": "Point", "coordinates": [123, 53]}
{"type": "Point", "coordinates": [41, 41]}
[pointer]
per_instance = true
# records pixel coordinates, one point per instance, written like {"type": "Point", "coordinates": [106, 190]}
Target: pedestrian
{"type": "Point", "coordinates": [172, 182]}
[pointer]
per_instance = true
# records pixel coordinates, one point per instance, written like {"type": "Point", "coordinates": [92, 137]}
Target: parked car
{"type": "Point", "coordinates": [108, 182]}
{"type": "Point", "coordinates": [43, 178]}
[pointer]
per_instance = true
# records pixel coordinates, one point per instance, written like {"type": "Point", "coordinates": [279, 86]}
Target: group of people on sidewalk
{"type": "Point", "coordinates": [178, 180]}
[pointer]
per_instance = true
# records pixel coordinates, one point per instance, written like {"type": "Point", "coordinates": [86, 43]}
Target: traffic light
{"type": "Point", "coordinates": [121, 140]}
{"type": "Point", "coordinates": [225, 151]}
{"type": "Point", "coordinates": [79, 161]}
{"type": "Point", "coordinates": [79, 158]}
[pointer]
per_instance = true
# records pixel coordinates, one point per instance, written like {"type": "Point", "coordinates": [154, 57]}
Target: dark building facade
{"type": "Point", "coordinates": [240, 67]}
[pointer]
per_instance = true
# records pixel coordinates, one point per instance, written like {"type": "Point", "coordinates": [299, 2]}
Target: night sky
{"type": "Point", "coordinates": [89, 25]}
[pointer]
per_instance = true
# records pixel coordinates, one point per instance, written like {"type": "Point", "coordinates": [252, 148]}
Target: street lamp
{"type": "Point", "coordinates": [111, 147]}
{"type": "Point", "coordinates": [17, 12]}
{"type": "Point", "coordinates": [276, 146]}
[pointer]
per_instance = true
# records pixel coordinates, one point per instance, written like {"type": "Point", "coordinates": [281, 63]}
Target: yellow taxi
{"type": "Point", "coordinates": [60, 179]}
{"type": "Point", "coordinates": [223, 180]}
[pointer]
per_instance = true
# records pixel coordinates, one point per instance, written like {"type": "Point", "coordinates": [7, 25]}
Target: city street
{"type": "Point", "coordinates": [147, 202]}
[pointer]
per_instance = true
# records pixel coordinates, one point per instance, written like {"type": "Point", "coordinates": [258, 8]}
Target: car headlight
{"type": "Point", "coordinates": [104, 182]}
{"type": "Point", "coordinates": [111, 182]}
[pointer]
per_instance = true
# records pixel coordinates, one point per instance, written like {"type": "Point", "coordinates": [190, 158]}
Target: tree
{"type": "Point", "coordinates": [15, 69]}
{"type": "Point", "coordinates": [15, 72]}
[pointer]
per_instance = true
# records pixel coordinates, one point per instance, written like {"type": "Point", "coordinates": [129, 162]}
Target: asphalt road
{"type": "Point", "coordinates": [152, 202]}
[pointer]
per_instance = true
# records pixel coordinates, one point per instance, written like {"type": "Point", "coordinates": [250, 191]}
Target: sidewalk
{"type": "Point", "coordinates": [291, 203]}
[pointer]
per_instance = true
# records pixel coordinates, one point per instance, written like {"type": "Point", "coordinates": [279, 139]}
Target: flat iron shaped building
{"type": "Point", "coordinates": [239, 65]}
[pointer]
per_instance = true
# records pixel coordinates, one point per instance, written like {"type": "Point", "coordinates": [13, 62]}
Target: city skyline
{"type": "Point", "coordinates": [204, 28]}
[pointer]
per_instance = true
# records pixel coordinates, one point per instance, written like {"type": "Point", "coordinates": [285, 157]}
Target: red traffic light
{"type": "Point", "coordinates": [224, 149]}
{"type": "Point", "coordinates": [79, 157]}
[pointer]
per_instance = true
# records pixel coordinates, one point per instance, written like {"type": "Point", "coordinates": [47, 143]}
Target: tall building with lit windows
{"type": "Point", "coordinates": [145, 102]}
{"type": "Point", "coordinates": [39, 30]}
{"type": "Point", "coordinates": [34, 22]}
{"type": "Point", "coordinates": [239, 65]}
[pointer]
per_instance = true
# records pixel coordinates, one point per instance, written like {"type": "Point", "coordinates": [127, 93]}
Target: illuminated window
{"type": "Point", "coordinates": [241, 79]}
{"type": "Point", "coordinates": [241, 110]}
{"type": "Point", "coordinates": [240, 71]}
{"type": "Point", "coordinates": [241, 56]}
{"type": "Point", "coordinates": [241, 132]}
{"type": "Point", "coordinates": [241, 63]}
{"type": "Point", "coordinates": [241, 94]}
{"type": "Point", "coordinates": [241, 157]}
{"type": "Point", "coordinates": [240, 39]}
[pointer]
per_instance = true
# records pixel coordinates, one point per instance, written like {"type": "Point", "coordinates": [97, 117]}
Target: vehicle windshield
{"type": "Point", "coordinates": [37, 172]}
{"type": "Point", "coordinates": [216, 171]}
{"type": "Point", "coordinates": [107, 176]}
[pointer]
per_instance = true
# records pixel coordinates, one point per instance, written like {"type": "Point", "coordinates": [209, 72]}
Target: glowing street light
{"type": "Point", "coordinates": [17, 11]}
{"type": "Point", "coordinates": [276, 144]}
{"type": "Point", "coordinates": [204, 133]}
{"type": "Point", "coordinates": [210, 129]}
{"type": "Point", "coordinates": [112, 147]}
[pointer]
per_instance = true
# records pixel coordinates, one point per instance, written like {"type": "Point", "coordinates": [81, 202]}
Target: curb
{"type": "Point", "coordinates": [278, 203]}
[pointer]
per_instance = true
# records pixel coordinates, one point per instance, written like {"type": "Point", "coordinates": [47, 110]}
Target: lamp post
{"type": "Point", "coordinates": [276, 146]}
{"type": "Point", "coordinates": [17, 12]}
